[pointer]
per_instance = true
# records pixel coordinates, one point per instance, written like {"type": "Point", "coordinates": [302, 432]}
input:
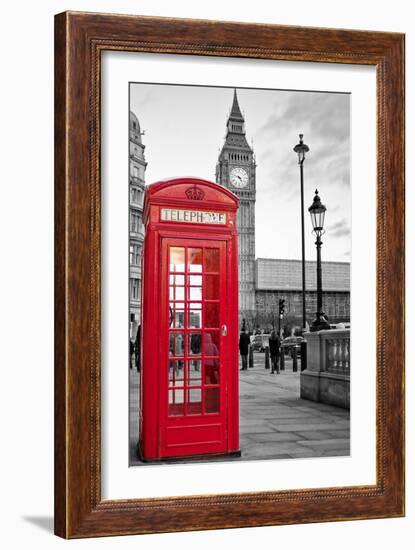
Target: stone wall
{"type": "Point", "coordinates": [327, 377]}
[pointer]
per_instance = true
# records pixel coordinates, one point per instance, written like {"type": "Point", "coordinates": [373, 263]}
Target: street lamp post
{"type": "Point", "coordinates": [317, 212]}
{"type": "Point", "coordinates": [301, 149]}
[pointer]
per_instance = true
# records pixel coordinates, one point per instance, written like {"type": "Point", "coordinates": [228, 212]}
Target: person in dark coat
{"type": "Point", "coordinates": [131, 354]}
{"type": "Point", "coordinates": [137, 348]}
{"type": "Point", "coordinates": [244, 342]}
{"type": "Point", "coordinates": [274, 351]}
{"type": "Point", "coordinates": [196, 347]}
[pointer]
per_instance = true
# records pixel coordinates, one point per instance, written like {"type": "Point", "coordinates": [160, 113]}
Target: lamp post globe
{"type": "Point", "coordinates": [301, 149]}
{"type": "Point", "coordinates": [317, 212]}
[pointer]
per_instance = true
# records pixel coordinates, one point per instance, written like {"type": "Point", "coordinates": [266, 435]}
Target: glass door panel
{"type": "Point", "coordinates": [194, 331]}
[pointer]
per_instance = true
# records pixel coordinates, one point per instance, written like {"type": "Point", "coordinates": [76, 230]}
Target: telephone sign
{"type": "Point", "coordinates": [192, 216]}
{"type": "Point", "coordinates": [189, 376]}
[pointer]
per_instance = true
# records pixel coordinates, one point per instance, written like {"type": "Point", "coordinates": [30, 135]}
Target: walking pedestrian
{"type": "Point", "coordinates": [196, 347]}
{"type": "Point", "coordinates": [274, 349]}
{"type": "Point", "coordinates": [131, 354]}
{"type": "Point", "coordinates": [137, 348]}
{"type": "Point", "coordinates": [244, 342]}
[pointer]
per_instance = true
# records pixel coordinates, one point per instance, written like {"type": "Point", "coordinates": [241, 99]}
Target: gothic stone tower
{"type": "Point", "coordinates": [235, 170]}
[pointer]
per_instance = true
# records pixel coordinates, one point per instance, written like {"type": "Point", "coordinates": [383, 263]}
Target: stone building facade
{"type": "Point", "coordinates": [137, 178]}
{"type": "Point", "coordinates": [277, 278]}
{"type": "Point", "coordinates": [235, 170]}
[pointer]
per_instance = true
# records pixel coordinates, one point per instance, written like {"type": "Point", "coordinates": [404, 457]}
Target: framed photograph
{"type": "Point", "coordinates": [229, 240]}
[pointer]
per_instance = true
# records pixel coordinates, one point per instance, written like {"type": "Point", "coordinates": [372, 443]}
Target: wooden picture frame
{"type": "Point", "coordinates": [79, 40]}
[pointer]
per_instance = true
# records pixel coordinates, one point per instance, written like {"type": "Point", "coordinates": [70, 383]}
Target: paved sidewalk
{"type": "Point", "coordinates": [274, 421]}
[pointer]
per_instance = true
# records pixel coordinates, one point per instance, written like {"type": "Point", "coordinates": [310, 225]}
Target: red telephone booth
{"type": "Point", "coordinates": [189, 376]}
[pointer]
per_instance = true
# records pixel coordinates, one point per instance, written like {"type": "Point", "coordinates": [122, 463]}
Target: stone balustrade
{"type": "Point", "coordinates": [337, 351]}
{"type": "Point", "coordinates": [327, 377]}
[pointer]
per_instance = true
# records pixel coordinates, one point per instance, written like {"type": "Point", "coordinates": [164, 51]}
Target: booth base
{"type": "Point", "coordinates": [191, 458]}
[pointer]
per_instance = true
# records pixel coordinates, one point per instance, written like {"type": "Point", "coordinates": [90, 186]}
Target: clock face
{"type": "Point", "coordinates": [239, 178]}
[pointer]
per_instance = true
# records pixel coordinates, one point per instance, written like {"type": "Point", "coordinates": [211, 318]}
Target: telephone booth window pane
{"type": "Point", "coordinates": [179, 293]}
{"type": "Point", "coordinates": [211, 287]}
{"type": "Point", "coordinates": [195, 293]}
{"type": "Point", "coordinates": [211, 314]}
{"type": "Point", "coordinates": [195, 343]}
{"type": "Point", "coordinates": [195, 316]}
{"type": "Point", "coordinates": [177, 280]}
{"type": "Point", "coordinates": [194, 376]}
{"type": "Point", "coordinates": [176, 259]}
{"type": "Point", "coordinates": [194, 261]}
{"type": "Point", "coordinates": [195, 280]}
{"type": "Point", "coordinates": [176, 315]}
{"type": "Point", "coordinates": [211, 372]}
{"type": "Point", "coordinates": [211, 343]}
{"type": "Point", "coordinates": [212, 400]}
{"type": "Point", "coordinates": [176, 344]}
{"type": "Point", "coordinates": [176, 373]}
{"type": "Point", "coordinates": [211, 259]}
{"type": "Point", "coordinates": [176, 402]}
{"type": "Point", "coordinates": [194, 401]}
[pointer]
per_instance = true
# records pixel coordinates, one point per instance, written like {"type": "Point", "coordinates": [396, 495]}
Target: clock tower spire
{"type": "Point", "coordinates": [235, 170]}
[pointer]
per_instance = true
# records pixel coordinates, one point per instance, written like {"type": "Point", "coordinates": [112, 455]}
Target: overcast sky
{"type": "Point", "coordinates": [185, 128]}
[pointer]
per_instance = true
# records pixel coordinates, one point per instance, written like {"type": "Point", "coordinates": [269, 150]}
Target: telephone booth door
{"type": "Point", "coordinates": [195, 347]}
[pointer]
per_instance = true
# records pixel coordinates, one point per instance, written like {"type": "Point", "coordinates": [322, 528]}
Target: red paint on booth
{"type": "Point", "coordinates": [189, 404]}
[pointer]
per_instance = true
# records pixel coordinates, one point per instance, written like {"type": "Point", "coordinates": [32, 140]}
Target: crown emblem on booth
{"type": "Point", "coordinates": [195, 193]}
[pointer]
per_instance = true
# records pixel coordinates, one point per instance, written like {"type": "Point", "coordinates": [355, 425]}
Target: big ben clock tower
{"type": "Point", "coordinates": [235, 170]}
